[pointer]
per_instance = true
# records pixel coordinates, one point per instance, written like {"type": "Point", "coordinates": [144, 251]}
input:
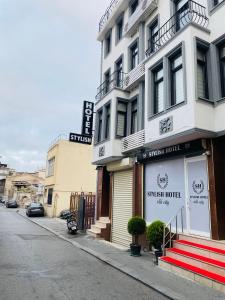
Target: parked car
{"type": "Point", "coordinates": [11, 204]}
{"type": "Point", "coordinates": [35, 209]}
{"type": "Point", "coordinates": [64, 214]}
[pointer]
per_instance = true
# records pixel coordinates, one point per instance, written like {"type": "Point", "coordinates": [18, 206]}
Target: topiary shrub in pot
{"type": "Point", "coordinates": [136, 226]}
{"type": "Point", "coordinates": [155, 237]}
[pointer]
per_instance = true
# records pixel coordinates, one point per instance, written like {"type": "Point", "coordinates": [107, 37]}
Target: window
{"type": "Point", "coordinates": [121, 119]}
{"type": "Point", "coordinates": [108, 42]}
{"type": "Point", "coordinates": [134, 56]}
{"type": "Point", "coordinates": [177, 87]}
{"type": "Point", "coordinates": [107, 82]}
{"type": "Point", "coordinates": [222, 68]}
{"type": "Point", "coordinates": [99, 129]}
{"type": "Point", "coordinates": [181, 10]}
{"type": "Point", "coordinates": [133, 6]}
{"type": "Point", "coordinates": [107, 121]}
{"type": "Point", "coordinates": [119, 29]}
{"type": "Point", "coordinates": [216, 2]}
{"type": "Point", "coordinates": [202, 80]}
{"type": "Point", "coordinates": [119, 73]}
{"type": "Point", "coordinates": [50, 194]}
{"type": "Point", "coordinates": [158, 102]}
{"type": "Point", "coordinates": [50, 166]}
{"type": "Point", "coordinates": [134, 124]}
{"type": "Point", "coordinates": [153, 37]}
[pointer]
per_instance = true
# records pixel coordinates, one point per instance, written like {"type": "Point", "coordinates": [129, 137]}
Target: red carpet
{"type": "Point", "coordinates": [196, 270]}
{"type": "Point", "coordinates": [216, 250]}
{"type": "Point", "coordinates": [198, 257]}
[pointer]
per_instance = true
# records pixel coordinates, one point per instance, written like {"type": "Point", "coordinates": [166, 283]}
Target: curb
{"type": "Point", "coordinates": [126, 270]}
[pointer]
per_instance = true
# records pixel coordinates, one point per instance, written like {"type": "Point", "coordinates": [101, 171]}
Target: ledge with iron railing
{"type": "Point", "coordinates": [107, 13]}
{"type": "Point", "coordinates": [133, 141]}
{"type": "Point", "coordinates": [171, 230]}
{"type": "Point", "coordinates": [116, 80]}
{"type": "Point", "coordinates": [191, 12]}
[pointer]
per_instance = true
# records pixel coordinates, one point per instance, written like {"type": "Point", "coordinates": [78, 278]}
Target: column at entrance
{"type": "Point", "coordinates": [216, 169]}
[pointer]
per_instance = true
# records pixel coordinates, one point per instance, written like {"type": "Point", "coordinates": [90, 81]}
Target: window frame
{"type": "Point", "coordinates": [203, 48]}
{"type": "Point", "coordinates": [107, 118]}
{"type": "Point", "coordinates": [125, 114]}
{"type": "Point", "coordinates": [133, 5]}
{"type": "Point", "coordinates": [108, 43]}
{"type": "Point", "coordinates": [134, 112]}
{"type": "Point", "coordinates": [156, 84]}
{"type": "Point", "coordinates": [116, 71]}
{"type": "Point", "coordinates": [49, 201]}
{"type": "Point", "coordinates": [178, 53]}
{"type": "Point", "coordinates": [99, 128]}
{"type": "Point", "coordinates": [119, 21]}
{"type": "Point", "coordinates": [50, 168]}
{"type": "Point", "coordinates": [131, 56]}
{"type": "Point", "coordinates": [151, 26]}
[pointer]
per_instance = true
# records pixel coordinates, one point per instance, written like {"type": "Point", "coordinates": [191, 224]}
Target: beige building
{"type": "Point", "coordinates": [24, 187]}
{"type": "Point", "coordinates": [69, 169]}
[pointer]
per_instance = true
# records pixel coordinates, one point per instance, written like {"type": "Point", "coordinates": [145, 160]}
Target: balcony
{"type": "Point", "coordinates": [116, 80]}
{"type": "Point", "coordinates": [191, 12]}
{"type": "Point", "coordinates": [144, 9]}
{"type": "Point", "coordinates": [133, 142]}
{"type": "Point", "coordinates": [108, 14]}
{"type": "Point", "coordinates": [134, 77]}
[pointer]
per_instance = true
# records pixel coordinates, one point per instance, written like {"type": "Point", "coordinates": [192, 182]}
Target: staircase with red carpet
{"type": "Point", "coordinates": [198, 259]}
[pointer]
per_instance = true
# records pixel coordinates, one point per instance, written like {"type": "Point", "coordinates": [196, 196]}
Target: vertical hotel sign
{"type": "Point", "coordinates": [87, 124]}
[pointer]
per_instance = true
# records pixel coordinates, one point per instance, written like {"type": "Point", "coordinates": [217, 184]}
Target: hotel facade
{"type": "Point", "coordinates": [159, 143]}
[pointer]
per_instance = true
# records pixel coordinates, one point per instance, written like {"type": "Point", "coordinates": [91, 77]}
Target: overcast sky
{"type": "Point", "coordinates": [49, 64]}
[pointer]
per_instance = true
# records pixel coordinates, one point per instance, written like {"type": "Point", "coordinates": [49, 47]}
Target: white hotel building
{"type": "Point", "coordinates": [160, 116]}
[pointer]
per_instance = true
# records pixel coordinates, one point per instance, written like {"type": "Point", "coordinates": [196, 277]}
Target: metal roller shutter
{"type": "Point", "coordinates": [122, 207]}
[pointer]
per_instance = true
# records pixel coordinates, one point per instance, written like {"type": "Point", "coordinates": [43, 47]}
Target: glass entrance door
{"type": "Point", "coordinates": [197, 197]}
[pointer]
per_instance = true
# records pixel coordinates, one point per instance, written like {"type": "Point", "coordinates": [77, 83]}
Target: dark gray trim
{"type": "Point", "coordinates": [117, 100]}
{"type": "Point", "coordinates": [141, 42]}
{"type": "Point", "coordinates": [212, 8]}
{"type": "Point", "coordinates": [129, 53]}
{"type": "Point", "coordinates": [118, 59]}
{"type": "Point", "coordinates": [141, 106]}
{"type": "Point", "coordinates": [167, 82]}
{"type": "Point", "coordinates": [109, 33]}
{"type": "Point", "coordinates": [207, 134]}
{"type": "Point", "coordinates": [103, 109]}
{"type": "Point", "coordinates": [121, 17]}
{"type": "Point", "coordinates": [205, 45]}
{"type": "Point", "coordinates": [149, 25]}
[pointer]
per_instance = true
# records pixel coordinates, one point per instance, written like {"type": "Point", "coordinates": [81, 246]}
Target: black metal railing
{"type": "Point", "coordinates": [190, 12]}
{"type": "Point", "coordinates": [107, 14]}
{"type": "Point", "coordinates": [115, 80]}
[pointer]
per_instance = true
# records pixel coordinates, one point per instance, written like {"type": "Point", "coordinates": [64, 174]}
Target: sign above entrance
{"type": "Point", "coordinates": [180, 149]}
{"type": "Point", "coordinates": [80, 138]}
{"type": "Point", "coordinates": [87, 123]}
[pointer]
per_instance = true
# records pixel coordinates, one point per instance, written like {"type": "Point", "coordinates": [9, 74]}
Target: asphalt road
{"type": "Point", "coordinates": [34, 264]}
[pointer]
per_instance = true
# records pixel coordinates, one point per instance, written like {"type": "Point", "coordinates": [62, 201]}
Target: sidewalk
{"type": "Point", "coordinates": [140, 268]}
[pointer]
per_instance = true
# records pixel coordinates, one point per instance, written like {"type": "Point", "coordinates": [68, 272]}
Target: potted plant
{"type": "Point", "coordinates": [155, 237]}
{"type": "Point", "coordinates": [136, 226]}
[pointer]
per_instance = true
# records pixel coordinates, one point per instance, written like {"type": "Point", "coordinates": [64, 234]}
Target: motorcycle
{"type": "Point", "coordinates": [71, 223]}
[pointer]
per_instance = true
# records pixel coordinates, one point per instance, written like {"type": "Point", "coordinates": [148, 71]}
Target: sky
{"type": "Point", "coordinates": [49, 64]}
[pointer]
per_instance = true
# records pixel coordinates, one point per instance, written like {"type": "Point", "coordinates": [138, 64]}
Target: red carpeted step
{"type": "Point", "coordinates": [204, 247]}
{"type": "Point", "coordinates": [198, 257]}
{"type": "Point", "coordinates": [196, 270]}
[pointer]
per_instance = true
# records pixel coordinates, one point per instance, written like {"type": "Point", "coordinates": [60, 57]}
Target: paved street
{"type": "Point", "coordinates": [35, 264]}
